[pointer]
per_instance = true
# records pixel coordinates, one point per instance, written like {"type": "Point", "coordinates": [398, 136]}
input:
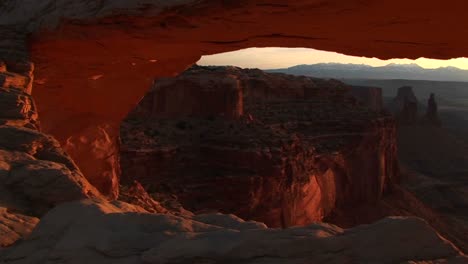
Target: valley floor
{"type": "Point", "coordinates": [435, 168]}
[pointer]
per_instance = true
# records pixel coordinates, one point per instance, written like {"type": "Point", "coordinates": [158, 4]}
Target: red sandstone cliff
{"type": "Point", "coordinates": [34, 166]}
{"type": "Point", "coordinates": [302, 148]}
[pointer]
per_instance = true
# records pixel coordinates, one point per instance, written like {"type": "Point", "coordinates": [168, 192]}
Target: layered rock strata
{"type": "Point", "coordinates": [86, 50]}
{"type": "Point", "coordinates": [14, 227]}
{"type": "Point", "coordinates": [84, 60]}
{"type": "Point", "coordinates": [302, 148]}
{"type": "Point", "coordinates": [35, 173]}
{"type": "Point", "coordinates": [405, 106]}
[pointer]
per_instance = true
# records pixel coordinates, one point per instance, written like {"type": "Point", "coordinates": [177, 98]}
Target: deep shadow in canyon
{"type": "Point", "coordinates": [336, 177]}
{"type": "Point", "coordinates": [288, 151]}
{"type": "Point", "coordinates": [275, 148]}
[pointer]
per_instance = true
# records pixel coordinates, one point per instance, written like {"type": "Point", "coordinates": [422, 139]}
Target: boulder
{"type": "Point", "coordinates": [36, 174]}
{"type": "Point", "coordinates": [213, 94]}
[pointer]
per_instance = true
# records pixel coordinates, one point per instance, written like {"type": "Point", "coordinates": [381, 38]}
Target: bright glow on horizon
{"type": "Point", "coordinates": [273, 58]}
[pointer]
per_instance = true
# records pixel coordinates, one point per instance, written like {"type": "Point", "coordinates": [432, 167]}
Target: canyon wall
{"type": "Point", "coordinates": [35, 173]}
{"type": "Point", "coordinates": [302, 148]}
{"type": "Point", "coordinates": [405, 106]}
{"type": "Point", "coordinates": [95, 60]}
{"type": "Point", "coordinates": [370, 96]}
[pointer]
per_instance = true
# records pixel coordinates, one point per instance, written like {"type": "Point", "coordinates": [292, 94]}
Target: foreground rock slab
{"type": "Point", "coordinates": [102, 232]}
{"type": "Point", "coordinates": [36, 174]}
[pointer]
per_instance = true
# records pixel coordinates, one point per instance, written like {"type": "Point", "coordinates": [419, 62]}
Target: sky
{"type": "Point", "coordinates": [273, 58]}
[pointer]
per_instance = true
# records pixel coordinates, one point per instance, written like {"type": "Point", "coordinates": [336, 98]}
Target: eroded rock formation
{"type": "Point", "coordinates": [96, 150]}
{"type": "Point", "coordinates": [405, 106]}
{"type": "Point", "coordinates": [14, 227]}
{"type": "Point", "coordinates": [85, 51]}
{"type": "Point", "coordinates": [95, 60]}
{"type": "Point", "coordinates": [186, 96]}
{"type": "Point", "coordinates": [123, 233]}
{"type": "Point", "coordinates": [302, 147]}
{"type": "Point", "coordinates": [432, 115]}
{"type": "Point", "coordinates": [35, 173]}
{"type": "Point", "coordinates": [369, 96]}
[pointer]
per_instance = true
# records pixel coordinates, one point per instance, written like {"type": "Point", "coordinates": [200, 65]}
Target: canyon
{"type": "Point", "coordinates": [123, 47]}
{"type": "Point", "coordinates": [274, 148]}
{"type": "Point", "coordinates": [71, 71]}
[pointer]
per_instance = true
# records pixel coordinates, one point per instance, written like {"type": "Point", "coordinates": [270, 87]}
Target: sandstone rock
{"type": "Point", "coordinates": [102, 232]}
{"type": "Point", "coordinates": [16, 74]}
{"type": "Point", "coordinates": [137, 195]}
{"type": "Point", "coordinates": [303, 148]}
{"type": "Point", "coordinates": [16, 70]}
{"type": "Point", "coordinates": [14, 227]}
{"type": "Point", "coordinates": [94, 146]}
{"type": "Point", "coordinates": [405, 106]}
{"type": "Point", "coordinates": [190, 32]}
{"type": "Point", "coordinates": [432, 115]}
{"type": "Point", "coordinates": [17, 106]}
{"type": "Point", "coordinates": [155, 202]}
{"type": "Point", "coordinates": [35, 173]}
{"type": "Point", "coordinates": [34, 143]}
{"type": "Point", "coordinates": [191, 95]}
{"type": "Point", "coordinates": [13, 80]}
{"type": "Point", "coordinates": [369, 96]}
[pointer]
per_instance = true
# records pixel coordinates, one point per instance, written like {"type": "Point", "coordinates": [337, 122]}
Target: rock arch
{"type": "Point", "coordinates": [95, 60]}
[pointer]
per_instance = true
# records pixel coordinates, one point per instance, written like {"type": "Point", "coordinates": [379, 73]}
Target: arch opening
{"type": "Point", "coordinates": [135, 161]}
{"type": "Point", "coordinates": [93, 66]}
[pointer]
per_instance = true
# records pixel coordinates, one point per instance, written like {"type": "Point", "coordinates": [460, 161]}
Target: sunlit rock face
{"type": "Point", "coordinates": [35, 173]}
{"type": "Point", "coordinates": [14, 227]}
{"type": "Point", "coordinates": [95, 150]}
{"type": "Point", "coordinates": [190, 96]}
{"type": "Point", "coordinates": [123, 233]}
{"type": "Point", "coordinates": [96, 59]}
{"type": "Point", "coordinates": [129, 43]}
{"type": "Point", "coordinates": [302, 147]}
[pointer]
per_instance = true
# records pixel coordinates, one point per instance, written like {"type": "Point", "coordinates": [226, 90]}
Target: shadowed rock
{"type": "Point", "coordinates": [14, 227]}
{"type": "Point", "coordinates": [302, 148]}
{"type": "Point", "coordinates": [35, 173]}
{"type": "Point", "coordinates": [102, 232]}
{"type": "Point", "coordinates": [369, 96]}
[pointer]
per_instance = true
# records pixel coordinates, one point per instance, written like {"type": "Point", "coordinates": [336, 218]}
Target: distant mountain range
{"type": "Point", "coordinates": [390, 71]}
